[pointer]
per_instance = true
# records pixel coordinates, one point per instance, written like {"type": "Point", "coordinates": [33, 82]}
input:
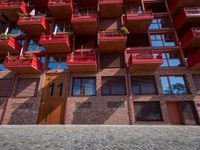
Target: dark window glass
{"type": "Point", "coordinates": [84, 42]}
{"type": "Point", "coordinates": [33, 45]}
{"type": "Point", "coordinates": [138, 40]}
{"type": "Point", "coordinates": [84, 86]}
{"type": "Point", "coordinates": [114, 85]}
{"type": "Point", "coordinates": [112, 60]}
{"type": "Point", "coordinates": [147, 111]}
{"type": "Point", "coordinates": [143, 85]}
{"type": "Point", "coordinates": [160, 23]}
{"type": "Point", "coordinates": [163, 40]}
{"type": "Point", "coordinates": [1, 64]}
{"type": "Point", "coordinates": [174, 85]}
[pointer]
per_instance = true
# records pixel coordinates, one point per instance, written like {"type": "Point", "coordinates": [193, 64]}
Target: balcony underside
{"type": "Point", "coordinates": [112, 45]}
{"type": "Point", "coordinates": [85, 27]}
{"type": "Point", "coordinates": [138, 24]}
{"type": "Point", "coordinates": [194, 61]}
{"type": "Point", "coordinates": [182, 23]}
{"type": "Point", "coordinates": [176, 6]}
{"type": "Point", "coordinates": [60, 12]}
{"type": "Point", "coordinates": [40, 3]}
{"type": "Point", "coordinates": [82, 68]}
{"type": "Point", "coordinates": [33, 29]}
{"type": "Point", "coordinates": [57, 46]}
{"type": "Point", "coordinates": [9, 46]}
{"type": "Point", "coordinates": [12, 14]}
{"type": "Point", "coordinates": [105, 9]}
{"type": "Point", "coordinates": [24, 69]}
{"type": "Point", "coordinates": [141, 65]}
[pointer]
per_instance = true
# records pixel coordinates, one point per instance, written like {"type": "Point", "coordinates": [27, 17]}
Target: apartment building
{"type": "Point", "coordinates": [100, 62]}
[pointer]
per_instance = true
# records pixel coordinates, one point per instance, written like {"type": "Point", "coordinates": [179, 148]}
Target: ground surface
{"type": "Point", "coordinates": [100, 137]}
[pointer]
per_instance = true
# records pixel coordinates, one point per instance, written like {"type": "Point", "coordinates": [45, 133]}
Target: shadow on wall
{"type": "Point", "coordinates": [98, 109]}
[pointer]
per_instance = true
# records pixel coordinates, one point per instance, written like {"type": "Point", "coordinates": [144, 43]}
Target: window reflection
{"type": "Point", "coordinates": [163, 40]}
{"type": "Point", "coordinates": [171, 59]}
{"type": "Point", "coordinates": [57, 63]}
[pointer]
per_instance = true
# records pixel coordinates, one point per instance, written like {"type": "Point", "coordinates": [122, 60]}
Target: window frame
{"type": "Point", "coordinates": [111, 86]}
{"type": "Point", "coordinates": [140, 87]}
{"type": "Point", "coordinates": [170, 85]}
{"type": "Point", "coordinates": [82, 86]}
{"type": "Point", "coordinates": [148, 112]}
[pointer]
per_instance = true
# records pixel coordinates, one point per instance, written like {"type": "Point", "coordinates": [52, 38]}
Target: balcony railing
{"type": "Point", "coordinates": [110, 1]}
{"type": "Point", "coordinates": [56, 37]}
{"type": "Point", "coordinates": [112, 34]}
{"type": "Point", "coordinates": [9, 44]}
{"type": "Point", "coordinates": [145, 56]}
{"type": "Point", "coordinates": [138, 13]}
{"type": "Point", "coordinates": [31, 19]}
{"type": "Point", "coordinates": [60, 2]}
{"type": "Point", "coordinates": [23, 62]}
{"type": "Point", "coordinates": [82, 57]}
{"type": "Point", "coordinates": [192, 11]}
{"type": "Point", "coordinates": [86, 14]}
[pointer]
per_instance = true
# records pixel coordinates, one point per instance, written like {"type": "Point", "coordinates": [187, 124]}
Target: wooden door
{"type": "Point", "coordinates": [53, 99]}
{"type": "Point", "coordinates": [174, 113]}
{"type": "Point", "coordinates": [51, 113]}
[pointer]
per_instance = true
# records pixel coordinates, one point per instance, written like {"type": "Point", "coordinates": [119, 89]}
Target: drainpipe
{"type": "Point", "coordinates": [9, 98]}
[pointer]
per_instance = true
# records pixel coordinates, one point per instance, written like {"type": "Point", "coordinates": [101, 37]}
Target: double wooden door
{"type": "Point", "coordinates": [53, 101]}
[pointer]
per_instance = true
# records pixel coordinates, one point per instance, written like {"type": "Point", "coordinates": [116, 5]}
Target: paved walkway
{"type": "Point", "coordinates": [100, 137]}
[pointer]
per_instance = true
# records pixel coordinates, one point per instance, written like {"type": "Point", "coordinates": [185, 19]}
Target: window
{"type": "Point", "coordinates": [33, 45]}
{"type": "Point", "coordinates": [196, 78]}
{"type": "Point", "coordinates": [1, 64]}
{"type": "Point", "coordinates": [138, 40]}
{"type": "Point", "coordinates": [163, 40]}
{"type": "Point", "coordinates": [16, 30]}
{"type": "Point", "coordinates": [84, 42]}
{"type": "Point", "coordinates": [160, 23]}
{"type": "Point", "coordinates": [171, 59]}
{"type": "Point", "coordinates": [112, 60]}
{"type": "Point", "coordinates": [174, 85]}
{"type": "Point", "coordinates": [57, 62]}
{"type": "Point", "coordinates": [84, 86]}
{"type": "Point", "coordinates": [5, 87]}
{"type": "Point", "coordinates": [27, 87]}
{"type": "Point", "coordinates": [147, 111]}
{"type": "Point", "coordinates": [114, 85]}
{"type": "Point", "coordinates": [143, 85]}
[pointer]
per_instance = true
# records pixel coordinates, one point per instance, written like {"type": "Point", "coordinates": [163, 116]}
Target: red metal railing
{"type": "Point", "coordinates": [145, 57]}
{"type": "Point", "coordinates": [112, 34]}
{"type": "Point", "coordinates": [110, 1]}
{"type": "Point", "coordinates": [81, 57]}
{"type": "Point", "coordinates": [21, 61]}
{"type": "Point", "coordinates": [196, 32]}
{"type": "Point", "coordinates": [28, 19]}
{"type": "Point", "coordinates": [136, 13]}
{"type": "Point", "coordinates": [60, 2]}
{"type": "Point", "coordinates": [85, 13]}
{"type": "Point", "coordinates": [10, 4]}
{"type": "Point", "coordinates": [191, 11]}
{"type": "Point", "coordinates": [11, 42]}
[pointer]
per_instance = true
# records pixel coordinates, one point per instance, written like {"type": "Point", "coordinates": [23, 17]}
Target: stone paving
{"type": "Point", "coordinates": [70, 137]}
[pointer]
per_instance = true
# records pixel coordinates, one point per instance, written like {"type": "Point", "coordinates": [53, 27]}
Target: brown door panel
{"type": "Point", "coordinates": [174, 113]}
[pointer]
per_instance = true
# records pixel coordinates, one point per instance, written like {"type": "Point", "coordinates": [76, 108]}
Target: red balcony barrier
{"type": "Point", "coordinates": [10, 45]}
{"type": "Point", "coordinates": [191, 39]}
{"type": "Point", "coordinates": [138, 20]}
{"type": "Point", "coordinates": [112, 41]}
{"type": "Point", "coordinates": [24, 64]}
{"type": "Point", "coordinates": [194, 61]}
{"type": "Point", "coordinates": [145, 60]}
{"type": "Point", "coordinates": [33, 25]}
{"type": "Point", "coordinates": [85, 22]}
{"type": "Point", "coordinates": [56, 43]}
{"type": "Point", "coordinates": [61, 9]}
{"type": "Point", "coordinates": [82, 61]}
{"type": "Point", "coordinates": [12, 8]}
{"type": "Point", "coordinates": [189, 16]}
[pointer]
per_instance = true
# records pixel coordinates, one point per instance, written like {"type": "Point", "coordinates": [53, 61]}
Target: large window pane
{"type": "Point", "coordinates": [165, 85]}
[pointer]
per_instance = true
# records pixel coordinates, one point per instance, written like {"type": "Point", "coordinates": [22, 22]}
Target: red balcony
{"type": "Point", "coordinates": [112, 41]}
{"type": "Point", "coordinates": [56, 43]}
{"type": "Point", "coordinates": [144, 61]}
{"type": "Point", "coordinates": [194, 61]}
{"type": "Point", "coordinates": [176, 5]}
{"type": "Point", "coordinates": [82, 62]}
{"type": "Point", "coordinates": [33, 25]}
{"type": "Point", "coordinates": [12, 8]}
{"type": "Point", "coordinates": [191, 39]}
{"type": "Point", "coordinates": [61, 9]}
{"type": "Point", "coordinates": [84, 22]}
{"type": "Point", "coordinates": [24, 64]}
{"type": "Point", "coordinates": [188, 17]}
{"type": "Point", "coordinates": [110, 8]}
{"type": "Point", "coordinates": [138, 21]}
{"type": "Point", "coordinates": [10, 45]}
